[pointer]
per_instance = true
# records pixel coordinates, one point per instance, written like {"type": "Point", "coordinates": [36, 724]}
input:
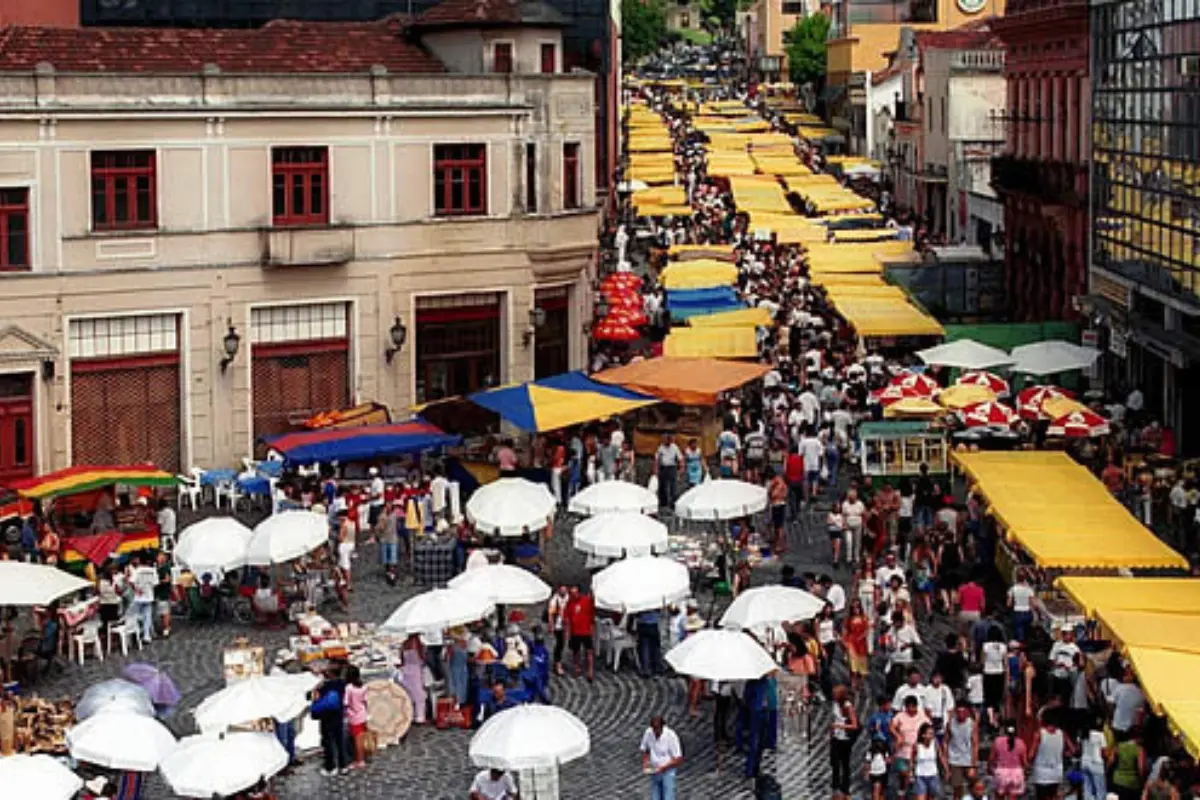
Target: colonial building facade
{"type": "Point", "coordinates": [207, 236]}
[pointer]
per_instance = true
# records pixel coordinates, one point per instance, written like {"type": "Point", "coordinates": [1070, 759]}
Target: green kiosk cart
{"type": "Point", "coordinates": [890, 451]}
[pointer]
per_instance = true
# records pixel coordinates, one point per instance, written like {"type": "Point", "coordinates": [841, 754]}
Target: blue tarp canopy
{"type": "Point", "coordinates": [366, 443]}
{"type": "Point", "coordinates": [559, 402]}
{"type": "Point", "coordinates": [687, 303]}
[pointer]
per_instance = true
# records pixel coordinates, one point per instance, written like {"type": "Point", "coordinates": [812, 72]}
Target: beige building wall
{"type": "Point", "coordinates": [215, 256]}
{"type": "Point", "coordinates": [774, 18]}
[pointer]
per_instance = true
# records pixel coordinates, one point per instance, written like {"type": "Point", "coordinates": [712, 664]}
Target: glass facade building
{"type": "Point", "coordinates": [1145, 265]}
{"type": "Point", "coordinates": [1146, 143]}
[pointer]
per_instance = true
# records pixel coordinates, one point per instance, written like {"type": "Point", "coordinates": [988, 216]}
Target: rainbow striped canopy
{"type": "Point", "coordinates": [74, 480]}
{"type": "Point", "coordinates": [364, 443]}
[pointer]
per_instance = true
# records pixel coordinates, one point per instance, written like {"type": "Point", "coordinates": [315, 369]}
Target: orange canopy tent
{"type": "Point", "coordinates": [685, 381]}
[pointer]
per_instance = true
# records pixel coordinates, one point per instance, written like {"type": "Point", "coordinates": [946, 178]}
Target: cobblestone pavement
{"type": "Point", "coordinates": [433, 764]}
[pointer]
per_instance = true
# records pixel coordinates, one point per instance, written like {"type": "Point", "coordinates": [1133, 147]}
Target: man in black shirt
{"type": "Point", "coordinates": [952, 664]}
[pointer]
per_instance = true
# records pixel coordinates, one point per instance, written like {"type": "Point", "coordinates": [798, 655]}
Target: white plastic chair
{"type": "Point", "coordinates": [89, 634]}
{"type": "Point", "coordinates": [126, 629]}
{"type": "Point", "coordinates": [615, 641]}
{"type": "Point", "coordinates": [189, 489]}
{"type": "Point", "coordinates": [230, 491]}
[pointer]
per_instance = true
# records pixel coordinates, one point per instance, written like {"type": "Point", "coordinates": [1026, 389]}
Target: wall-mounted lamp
{"type": "Point", "coordinates": [398, 335]}
{"type": "Point", "coordinates": [48, 369]}
{"type": "Point", "coordinates": [230, 345]}
{"type": "Point", "coordinates": [537, 318]}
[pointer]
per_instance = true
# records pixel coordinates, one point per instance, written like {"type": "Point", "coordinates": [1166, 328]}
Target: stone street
{"type": "Point", "coordinates": [433, 764]}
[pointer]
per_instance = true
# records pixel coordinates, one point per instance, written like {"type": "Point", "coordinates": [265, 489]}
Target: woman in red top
{"type": "Point", "coordinates": [857, 629]}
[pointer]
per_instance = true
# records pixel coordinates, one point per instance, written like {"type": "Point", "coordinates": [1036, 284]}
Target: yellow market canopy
{"type": "Point", "coordinates": [1160, 630]}
{"type": "Point", "coordinates": [1061, 514]}
{"type": "Point", "coordinates": [1168, 678]}
{"type": "Point", "coordinates": [698, 274]}
{"type": "Point", "coordinates": [1132, 594]}
{"type": "Point", "coordinates": [711, 343]}
{"type": "Point", "coordinates": [741, 318]}
{"type": "Point", "coordinates": [913, 407]}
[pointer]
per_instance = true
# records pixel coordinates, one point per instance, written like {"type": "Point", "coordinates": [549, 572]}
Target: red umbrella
{"type": "Point", "coordinates": [621, 281]}
{"type": "Point", "coordinates": [989, 380]}
{"type": "Point", "coordinates": [609, 330]}
{"type": "Point", "coordinates": [988, 414]}
{"type": "Point", "coordinates": [1079, 425]}
{"type": "Point", "coordinates": [634, 317]}
{"type": "Point", "coordinates": [1030, 400]}
{"type": "Point", "coordinates": [924, 385]}
{"type": "Point", "coordinates": [623, 299]}
{"type": "Point", "coordinates": [894, 393]}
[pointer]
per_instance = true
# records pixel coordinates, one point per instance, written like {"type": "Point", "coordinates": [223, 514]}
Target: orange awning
{"type": "Point", "coordinates": [686, 381]}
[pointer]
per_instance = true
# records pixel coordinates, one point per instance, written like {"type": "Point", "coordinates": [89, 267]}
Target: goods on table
{"type": "Point", "coordinates": [40, 726]}
{"type": "Point", "coordinates": [697, 553]}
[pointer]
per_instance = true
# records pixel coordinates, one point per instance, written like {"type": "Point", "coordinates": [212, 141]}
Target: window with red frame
{"type": "Point", "coordinates": [549, 58]}
{"type": "Point", "coordinates": [14, 229]}
{"type": "Point", "coordinates": [571, 198]}
{"type": "Point", "coordinates": [299, 185]}
{"type": "Point", "coordinates": [459, 179]}
{"type": "Point", "coordinates": [502, 57]}
{"type": "Point", "coordinates": [124, 190]}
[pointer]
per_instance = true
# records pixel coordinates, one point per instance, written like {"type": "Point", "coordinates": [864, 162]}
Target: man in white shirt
{"type": "Point", "coordinates": [144, 578]}
{"type": "Point", "coordinates": [810, 406]}
{"type": "Point", "coordinates": [1065, 658]}
{"type": "Point", "coordinates": [913, 688]}
{"type": "Point", "coordinates": [375, 505]}
{"type": "Point", "coordinates": [812, 452]}
{"type": "Point", "coordinates": [493, 784]}
{"type": "Point", "coordinates": [1020, 602]}
{"type": "Point", "coordinates": [438, 490]}
{"type": "Point", "coordinates": [1128, 704]}
{"type": "Point", "coordinates": [661, 754]}
{"type": "Point", "coordinates": [855, 512]}
{"type": "Point", "coordinates": [835, 595]}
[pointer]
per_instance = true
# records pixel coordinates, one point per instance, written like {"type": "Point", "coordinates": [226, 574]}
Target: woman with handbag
{"type": "Point", "coordinates": [843, 732]}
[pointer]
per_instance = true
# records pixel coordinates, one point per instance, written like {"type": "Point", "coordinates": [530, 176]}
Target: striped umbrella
{"type": "Point", "coordinates": [610, 330]}
{"type": "Point", "coordinates": [621, 281]}
{"type": "Point", "coordinates": [895, 393]}
{"type": "Point", "coordinates": [1079, 425]}
{"type": "Point", "coordinates": [988, 414]}
{"type": "Point", "coordinates": [633, 317]}
{"type": "Point", "coordinates": [923, 385]}
{"type": "Point", "coordinates": [989, 380]}
{"type": "Point", "coordinates": [1030, 400]}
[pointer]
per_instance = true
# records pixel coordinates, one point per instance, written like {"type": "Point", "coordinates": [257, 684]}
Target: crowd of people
{"type": "Point", "coordinates": [999, 702]}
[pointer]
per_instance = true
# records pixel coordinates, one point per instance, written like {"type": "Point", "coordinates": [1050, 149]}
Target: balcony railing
{"type": "Point", "coordinates": [977, 60]}
{"type": "Point", "coordinates": [1054, 182]}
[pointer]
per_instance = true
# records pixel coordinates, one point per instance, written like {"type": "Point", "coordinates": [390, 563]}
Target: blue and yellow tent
{"type": "Point", "coordinates": [559, 401]}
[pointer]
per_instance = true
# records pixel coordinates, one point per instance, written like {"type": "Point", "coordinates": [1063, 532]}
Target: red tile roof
{"type": "Point", "coordinates": [975, 35]}
{"type": "Point", "coordinates": [282, 46]}
{"type": "Point", "coordinates": [491, 13]}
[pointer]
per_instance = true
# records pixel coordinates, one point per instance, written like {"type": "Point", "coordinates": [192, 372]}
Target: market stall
{"type": "Point", "coordinates": [100, 510]}
{"type": "Point", "coordinates": [1054, 513]}
{"type": "Point", "coordinates": [890, 451]}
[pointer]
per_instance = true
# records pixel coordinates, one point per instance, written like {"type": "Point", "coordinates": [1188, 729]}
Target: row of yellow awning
{"type": "Point", "coordinates": [1062, 515]}
{"type": "Point", "coordinates": [701, 274]}
{"type": "Point", "coordinates": [711, 342]}
{"type": "Point", "coordinates": [1156, 621]}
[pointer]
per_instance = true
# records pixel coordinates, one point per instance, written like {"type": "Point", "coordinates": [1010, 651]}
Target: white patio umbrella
{"type": "Point", "coordinates": [770, 605]}
{"type": "Point", "coordinates": [511, 506]}
{"type": "Point", "coordinates": [503, 584]}
{"type": "Point", "coordinates": [278, 697]}
{"type": "Point", "coordinates": [644, 583]}
{"type": "Point", "coordinates": [721, 499]}
{"type": "Point", "coordinates": [529, 737]}
{"type": "Point", "coordinates": [286, 536]}
{"type": "Point", "coordinates": [38, 776]}
{"type": "Point", "coordinates": [114, 695]}
{"type": "Point", "coordinates": [1053, 356]}
{"type": "Point", "coordinates": [121, 740]}
{"type": "Point", "coordinates": [965, 354]}
{"type": "Point", "coordinates": [34, 584]}
{"type": "Point", "coordinates": [222, 765]}
{"type": "Point", "coordinates": [720, 655]}
{"type": "Point", "coordinates": [216, 544]}
{"type": "Point", "coordinates": [613, 496]}
{"type": "Point", "coordinates": [620, 535]}
{"type": "Point", "coordinates": [438, 609]}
